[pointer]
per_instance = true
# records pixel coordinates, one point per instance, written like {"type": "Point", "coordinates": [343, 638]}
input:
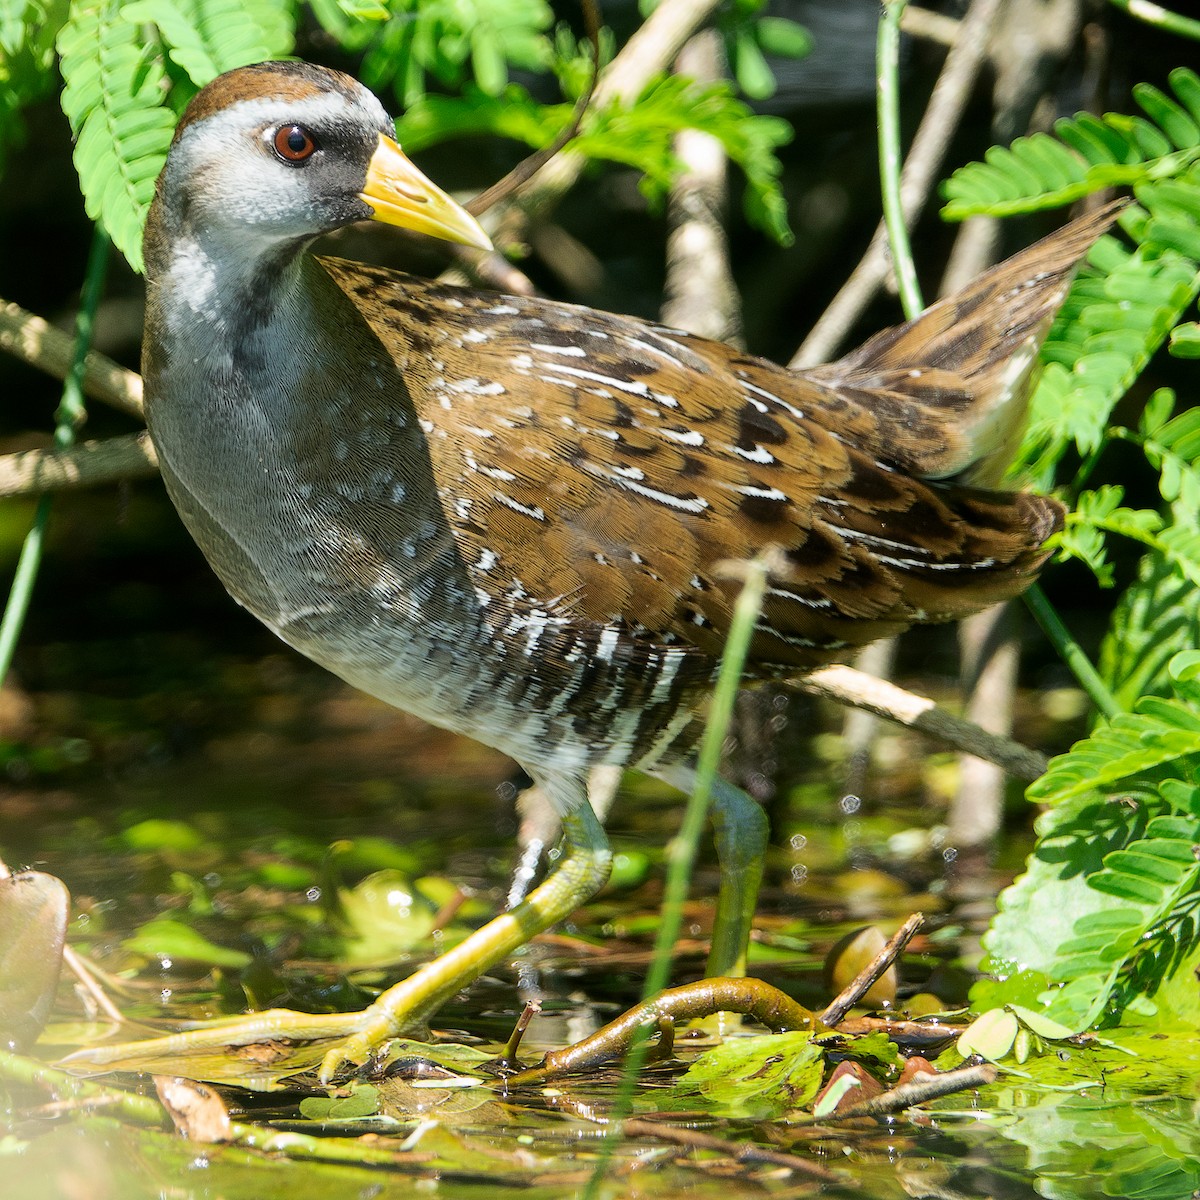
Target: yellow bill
{"type": "Point", "coordinates": [401, 195]}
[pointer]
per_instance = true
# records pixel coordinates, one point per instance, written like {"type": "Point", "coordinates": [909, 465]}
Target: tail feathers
{"type": "Point", "coordinates": [968, 363]}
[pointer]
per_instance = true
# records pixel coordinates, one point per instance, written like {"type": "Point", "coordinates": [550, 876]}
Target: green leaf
{"type": "Point", "coordinates": [513, 114]}
{"type": "Point", "coordinates": [642, 136]}
{"type": "Point", "coordinates": [990, 1035]}
{"type": "Point", "coordinates": [164, 938]}
{"type": "Point", "coordinates": [1185, 340]}
{"type": "Point", "coordinates": [1157, 616]}
{"type": "Point", "coordinates": [455, 42]}
{"type": "Point", "coordinates": [763, 1077]}
{"type": "Point", "coordinates": [208, 37]}
{"type": "Point", "coordinates": [113, 96]}
{"type": "Point", "coordinates": [783, 38]}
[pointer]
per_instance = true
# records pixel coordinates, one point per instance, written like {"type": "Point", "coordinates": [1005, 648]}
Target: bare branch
{"type": "Point", "coordinates": [861, 983]}
{"type": "Point", "coordinates": [38, 343]}
{"type": "Point", "coordinates": [88, 464]}
{"type": "Point", "coordinates": [945, 109]}
{"type": "Point", "coordinates": [701, 295]}
{"type": "Point", "coordinates": [853, 688]}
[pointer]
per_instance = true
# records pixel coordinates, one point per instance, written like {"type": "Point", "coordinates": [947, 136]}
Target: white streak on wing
{"type": "Point", "coordinates": [692, 504]}
{"type": "Point", "coordinates": [684, 437]}
{"type": "Point", "coordinates": [772, 493]}
{"type": "Point", "coordinates": [760, 454]}
{"type": "Point", "coordinates": [630, 387]}
{"type": "Point", "coordinates": [535, 513]}
{"type": "Point", "coordinates": [784, 594]}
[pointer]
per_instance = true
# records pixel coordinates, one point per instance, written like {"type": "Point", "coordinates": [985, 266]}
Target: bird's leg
{"type": "Point", "coordinates": [407, 1005]}
{"type": "Point", "coordinates": [741, 831]}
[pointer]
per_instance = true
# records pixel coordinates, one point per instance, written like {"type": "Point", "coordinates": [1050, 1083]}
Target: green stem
{"type": "Point", "coordinates": [69, 416]}
{"type": "Point", "coordinates": [1160, 18]}
{"type": "Point", "coordinates": [1071, 652]}
{"type": "Point", "coordinates": [887, 56]}
{"type": "Point", "coordinates": [682, 855]}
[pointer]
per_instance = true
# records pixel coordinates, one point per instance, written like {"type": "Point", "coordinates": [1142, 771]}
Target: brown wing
{"type": "Point", "coordinates": [605, 467]}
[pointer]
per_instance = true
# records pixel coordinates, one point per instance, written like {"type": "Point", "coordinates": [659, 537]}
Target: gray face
{"type": "Point", "coordinates": [269, 155]}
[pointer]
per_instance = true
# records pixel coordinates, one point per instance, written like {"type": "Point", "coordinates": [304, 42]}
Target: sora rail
{"type": "Point", "coordinates": [507, 515]}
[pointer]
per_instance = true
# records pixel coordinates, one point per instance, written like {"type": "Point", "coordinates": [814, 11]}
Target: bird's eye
{"type": "Point", "coordinates": [294, 144]}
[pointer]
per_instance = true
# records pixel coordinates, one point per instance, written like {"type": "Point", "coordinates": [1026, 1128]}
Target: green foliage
{"type": "Point", "coordinates": [116, 89]}
{"type": "Point", "coordinates": [114, 100]}
{"type": "Point", "coordinates": [203, 38]}
{"type": "Point", "coordinates": [640, 136]}
{"type": "Point", "coordinates": [749, 37]}
{"type": "Point", "coordinates": [764, 1076]}
{"type": "Point", "coordinates": [130, 66]}
{"type": "Point", "coordinates": [1090, 153]}
{"type": "Point", "coordinates": [27, 32]}
{"type": "Point", "coordinates": [1107, 909]}
{"type": "Point", "coordinates": [1104, 918]}
{"type": "Point", "coordinates": [407, 43]}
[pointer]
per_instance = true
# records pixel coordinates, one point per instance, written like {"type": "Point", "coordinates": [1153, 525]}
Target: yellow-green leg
{"type": "Point", "coordinates": [741, 832]}
{"type": "Point", "coordinates": [407, 1005]}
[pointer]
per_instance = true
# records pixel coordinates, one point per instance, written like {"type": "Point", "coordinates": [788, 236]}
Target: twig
{"type": "Point", "coordinates": [895, 220]}
{"type": "Point", "coordinates": [933, 26]}
{"type": "Point", "coordinates": [650, 50]}
{"type": "Point", "coordinates": [1159, 17]}
{"type": "Point", "coordinates": [68, 417]}
{"type": "Point", "coordinates": [89, 464]}
{"type": "Point", "coordinates": [945, 108]}
{"type": "Point", "coordinates": [753, 998]}
{"type": "Point", "coordinates": [38, 343]}
{"type": "Point", "coordinates": [1071, 652]}
{"type": "Point", "coordinates": [529, 166]}
{"type": "Point", "coordinates": [920, 1091]}
{"type": "Point", "coordinates": [923, 1032]}
{"type": "Point", "coordinates": [853, 688]}
{"type": "Point", "coordinates": [861, 983]}
{"type": "Point", "coordinates": [90, 984]}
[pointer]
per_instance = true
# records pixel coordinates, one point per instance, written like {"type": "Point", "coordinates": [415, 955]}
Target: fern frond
{"type": "Point", "coordinates": [207, 37]}
{"type": "Point", "coordinates": [1157, 617]}
{"type": "Point", "coordinates": [113, 97]}
{"type": "Point", "coordinates": [1089, 154]}
{"type": "Point", "coordinates": [1160, 732]}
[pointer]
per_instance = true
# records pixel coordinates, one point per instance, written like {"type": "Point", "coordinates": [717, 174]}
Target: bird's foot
{"type": "Point", "coordinates": [356, 1038]}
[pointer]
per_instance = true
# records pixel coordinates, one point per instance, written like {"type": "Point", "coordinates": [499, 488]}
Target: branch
{"type": "Point", "coordinates": [649, 51]}
{"type": "Point", "coordinates": [945, 109]}
{"type": "Point", "coordinates": [701, 295]}
{"type": "Point", "coordinates": [853, 688]}
{"type": "Point", "coordinates": [858, 987]}
{"type": "Point", "coordinates": [89, 464]}
{"type": "Point", "coordinates": [38, 343]}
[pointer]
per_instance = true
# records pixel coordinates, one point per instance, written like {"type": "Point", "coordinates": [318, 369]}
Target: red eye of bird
{"type": "Point", "coordinates": [293, 143]}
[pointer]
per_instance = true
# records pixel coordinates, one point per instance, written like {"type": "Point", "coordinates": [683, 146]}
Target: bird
{"type": "Point", "coordinates": [509, 516]}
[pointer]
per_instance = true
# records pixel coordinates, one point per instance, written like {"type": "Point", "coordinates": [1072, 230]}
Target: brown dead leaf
{"type": "Point", "coordinates": [198, 1111]}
